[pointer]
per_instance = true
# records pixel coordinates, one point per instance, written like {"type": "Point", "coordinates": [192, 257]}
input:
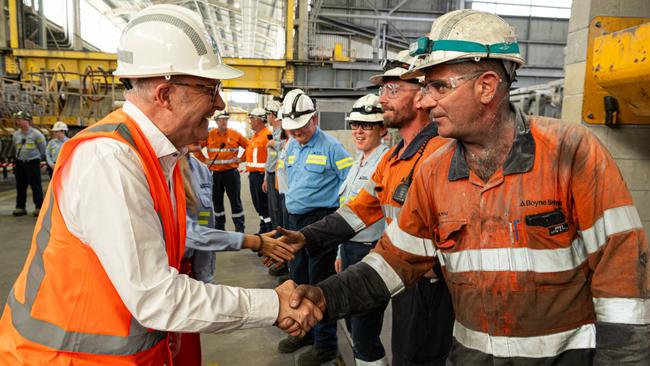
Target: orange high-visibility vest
{"type": "Point", "coordinates": [63, 308]}
{"type": "Point", "coordinates": [256, 151]}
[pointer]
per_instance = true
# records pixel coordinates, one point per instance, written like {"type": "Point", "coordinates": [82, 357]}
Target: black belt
{"type": "Point", "coordinates": [33, 161]}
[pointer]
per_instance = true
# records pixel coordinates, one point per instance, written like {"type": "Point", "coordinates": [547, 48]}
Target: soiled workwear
{"type": "Point", "coordinates": [422, 315]}
{"type": "Point", "coordinates": [546, 261]}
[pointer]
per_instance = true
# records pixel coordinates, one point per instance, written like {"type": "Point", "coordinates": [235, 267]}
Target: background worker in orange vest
{"type": "Point", "coordinates": [538, 237]}
{"type": "Point", "coordinates": [422, 315]}
{"type": "Point", "coordinates": [255, 162]}
{"type": "Point", "coordinates": [223, 145]}
{"type": "Point", "coordinates": [101, 283]}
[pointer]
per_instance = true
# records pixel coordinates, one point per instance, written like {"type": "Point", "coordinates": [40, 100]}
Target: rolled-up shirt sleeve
{"type": "Point", "coordinates": [105, 201]}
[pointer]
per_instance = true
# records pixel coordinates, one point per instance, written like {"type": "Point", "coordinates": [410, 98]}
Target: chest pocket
{"type": "Point", "coordinates": [447, 238]}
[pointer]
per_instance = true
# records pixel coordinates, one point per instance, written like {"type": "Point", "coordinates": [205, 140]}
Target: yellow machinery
{"type": "Point", "coordinates": [78, 88]}
{"type": "Point", "coordinates": [617, 79]}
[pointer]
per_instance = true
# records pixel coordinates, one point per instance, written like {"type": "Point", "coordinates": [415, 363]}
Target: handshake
{"type": "Point", "coordinates": [301, 307]}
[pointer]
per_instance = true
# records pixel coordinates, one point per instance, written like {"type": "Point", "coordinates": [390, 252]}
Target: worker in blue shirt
{"type": "Point", "coordinates": [316, 164]}
{"type": "Point", "coordinates": [59, 130]}
{"type": "Point", "coordinates": [29, 147]}
{"type": "Point", "coordinates": [202, 241]}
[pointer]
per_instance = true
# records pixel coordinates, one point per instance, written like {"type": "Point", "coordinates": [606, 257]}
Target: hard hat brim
{"type": "Point", "coordinates": [299, 122]}
{"type": "Point", "coordinates": [219, 72]}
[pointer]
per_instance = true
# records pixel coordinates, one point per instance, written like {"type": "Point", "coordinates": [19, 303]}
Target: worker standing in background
{"type": "Point", "coordinates": [255, 162]}
{"type": "Point", "coordinates": [273, 148]}
{"type": "Point", "coordinates": [29, 145]}
{"type": "Point", "coordinates": [272, 181]}
{"type": "Point", "coordinates": [223, 145]}
{"type": "Point", "coordinates": [317, 164]}
{"type": "Point", "coordinates": [423, 315]}
{"type": "Point", "coordinates": [538, 237]}
{"type": "Point", "coordinates": [203, 241]}
{"type": "Point", "coordinates": [101, 284]}
{"type": "Point", "coordinates": [367, 125]}
{"type": "Point", "coordinates": [60, 130]}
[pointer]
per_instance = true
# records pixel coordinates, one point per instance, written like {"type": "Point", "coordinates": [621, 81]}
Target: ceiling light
{"type": "Point", "coordinates": [236, 5]}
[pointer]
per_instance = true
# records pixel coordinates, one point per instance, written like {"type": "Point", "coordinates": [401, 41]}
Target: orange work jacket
{"type": "Point", "coordinates": [256, 152]}
{"type": "Point", "coordinates": [63, 308]}
{"type": "Point", "coordinates": [223, 149]}
{"type": "Point", "coordinates": [533, 256]}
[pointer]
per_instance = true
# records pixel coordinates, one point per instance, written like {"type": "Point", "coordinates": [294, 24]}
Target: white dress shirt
{"type": "Point", "coordinates": [105, 201]}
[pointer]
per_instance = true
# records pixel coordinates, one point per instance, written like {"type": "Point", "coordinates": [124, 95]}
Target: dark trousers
{"type": "Point", "coordinates": [227, 181]}
{"type": "Point", "coordinates": [28, 173]}
{"type": "Point", "coordinates": [275, 211]}
{"type": "Point", "coordinates": [423, 321]}
{"type": "Point", "coordinates": [307, 269]}
{"type": "Point", "coordinates": [364, 327]}
{"type": "Point", "coordinates": [260, 200]}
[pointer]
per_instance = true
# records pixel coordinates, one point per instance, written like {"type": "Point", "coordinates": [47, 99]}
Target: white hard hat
{"type": "Point", "coordinates": [367, 109]}
{"type": "Point", "coordinates": [297, 109]}
{"type": "Point", "coordinates": [59, 126]}
{"type": "Point", "coordinates": [395, 68]}
{"type": "Point", "coordinates": [466, 34]}
{"type": "Point", "coordinates": [258, 113]}
{"type": "Point", "coordinates": [165, 40]}
{"type": "Point", "coordinates": [220, 114]}
{"type": "Point", "coordinates": [273, 107]}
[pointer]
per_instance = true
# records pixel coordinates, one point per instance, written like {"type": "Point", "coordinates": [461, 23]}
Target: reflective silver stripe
{"type": "Point", "coordinates": [623, 310]}
{"type": "Point", "coordinates": [392, 281]}
{"type": "Point", "coordinates": [254, 155]}
{"type": "Point", "coordinates": [583, 337]}
{"type": "Point", "coordinates": [409, 243]}
{"type": "Point", "coordinates": [391, 211]}
{"type": "Point", "coordinates": [226, 161]}
{"type": "Point", "coordinates": [255, 165]}
{"type": "Point", "coordinates": [227, 149]}
{"type": "Point", "coordinates": [545, 260]}
{"type": "Point", "coordinates": [615, 220]}
{"type": "Point", "coordinates": [266, 220]}
{"type": "Point", "coordinates": [111, 127]}
{"type": "Point", "coordinates": [238, 214]}
{"type": "Point", "coordinates": [55, 337]}
{"type": "Point", "coordinates": [369, 187]}
{"type": "Point", "coordinates": [219, 214]}
{"type": "Point", "coordinates": [351, 218]}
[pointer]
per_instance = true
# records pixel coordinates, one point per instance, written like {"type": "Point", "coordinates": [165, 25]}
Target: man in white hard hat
{"type": "Point", "coordinates": [539, 240]}
{"type": "Point", "coordinates": [29, 147]}
{"type": "Point", "coordinates": [273, 149]}
{"type": "Point", "coordinates": [422, 314]}
{"type": "Point", "coordinates": [255, 163]}
{"type": "Point", "coordinates": [59, 130]}
{"type": "Point", "coordinates": [317, 164]}
{"type": "Point", "coordinates": [101, 284]}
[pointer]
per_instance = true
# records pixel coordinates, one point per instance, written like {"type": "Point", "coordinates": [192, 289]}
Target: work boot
{"type": "Point", "coordinates": [292, 344]}
{"type": "Point", "coordinates": [317, 356]}
{"type": "Point", "coordinates": [37, 211]}
{"type": "Point", "coordinates": [19, 212]}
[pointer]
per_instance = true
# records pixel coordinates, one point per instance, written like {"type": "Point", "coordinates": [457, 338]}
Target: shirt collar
{"type": "Point", "coordinates": [312, 140]}
{"type": "Point", "coordinates": [159, 142]}
{"type": "Point", "coordinates": [431, 130]}
{"type": "Point", "coordinates": [520, 158]}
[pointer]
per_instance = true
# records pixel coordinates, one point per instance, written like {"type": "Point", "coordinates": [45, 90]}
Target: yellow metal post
{"type": "Point", "coordinates": [291, 14]}
{"type": "Point", "coordinates": [13, 24]}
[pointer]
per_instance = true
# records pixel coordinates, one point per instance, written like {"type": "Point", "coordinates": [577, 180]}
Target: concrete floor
{"type": "Point", "coordinates": [239, 348]}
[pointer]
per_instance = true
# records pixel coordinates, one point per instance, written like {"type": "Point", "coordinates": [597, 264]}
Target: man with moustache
{"type": "Point", "coordinates": [563, 282]}
{"type": "Point", "coordinates": [422, 315]}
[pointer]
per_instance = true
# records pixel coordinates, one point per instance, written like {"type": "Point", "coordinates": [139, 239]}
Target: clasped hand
{"type": "Point", "coordinates": [301, 307]}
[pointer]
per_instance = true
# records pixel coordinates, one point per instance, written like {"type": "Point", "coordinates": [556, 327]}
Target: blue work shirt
{"type": "Point", "coordinates": [53, 149]}
{"type": "Point", "coordinates": [316, 171]}
{"type": "Point", "coordinates": [30, 145]}
{"type": "Point", "coordinates": [202, 240]}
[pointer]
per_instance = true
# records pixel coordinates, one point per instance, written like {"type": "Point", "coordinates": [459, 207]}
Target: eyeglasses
{"type": "Point", "coordinates": [366, 126]}
{"type": "Point", "coordinates": [438, 89]}
{"type": "Point", "coordinates": [214, 90]}
{"type": "Point", "coordinates": [391, 90]}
